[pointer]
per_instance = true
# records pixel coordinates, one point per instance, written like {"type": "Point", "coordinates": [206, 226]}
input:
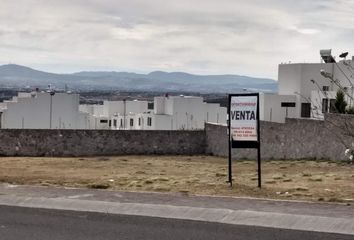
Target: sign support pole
{"type": "Point", "coordinates": [259, 168]}
{"type": "Point", "coordinates": [259, 147]}
{"type": "Point", "coordinates": [230, 162]}
{"type": "Point", "coordinates": [230, 144]}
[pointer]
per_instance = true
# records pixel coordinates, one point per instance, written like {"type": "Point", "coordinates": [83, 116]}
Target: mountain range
{"type": "Point", "coordinates": [12, 75]}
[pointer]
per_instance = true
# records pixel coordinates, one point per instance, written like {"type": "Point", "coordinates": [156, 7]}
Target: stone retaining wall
{"type": "Point", "coordinates": [27, 142]}
{"type": "Point", "coordinates": [295, 139]}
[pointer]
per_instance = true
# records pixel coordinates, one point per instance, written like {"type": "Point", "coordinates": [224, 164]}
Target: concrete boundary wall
{"type": "Point", "coordinates": [295, 139]}
{"type": "Point", "coordinates": [28, 142]}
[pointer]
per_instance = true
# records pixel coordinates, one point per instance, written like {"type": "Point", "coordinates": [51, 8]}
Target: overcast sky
{"type": "Point", "coordinates": [197, 36]}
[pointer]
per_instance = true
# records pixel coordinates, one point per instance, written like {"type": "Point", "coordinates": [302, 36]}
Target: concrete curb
{"type": "Point", "coordinates": [226, 216]}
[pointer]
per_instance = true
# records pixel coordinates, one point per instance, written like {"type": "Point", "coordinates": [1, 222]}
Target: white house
{"type": "Point", "coordinates": [173, 113]}
{"type": "Point", "coordinates": [43, 110]}
{"type": "Point", "coordinates": [308, 90]}
{"type": "Point", "coordinates": [101, 115]}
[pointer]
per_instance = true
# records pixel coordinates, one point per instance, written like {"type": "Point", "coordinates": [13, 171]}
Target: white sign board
{"type": "Point", "coordinates": [243, 115]}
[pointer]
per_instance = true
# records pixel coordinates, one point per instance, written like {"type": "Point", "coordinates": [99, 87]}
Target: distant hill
{"type": "Point", "coordinates": [12, 75]}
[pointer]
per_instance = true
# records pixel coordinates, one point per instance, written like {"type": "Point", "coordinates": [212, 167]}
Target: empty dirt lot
{"type": "Point", "coordinates": [202, 175]}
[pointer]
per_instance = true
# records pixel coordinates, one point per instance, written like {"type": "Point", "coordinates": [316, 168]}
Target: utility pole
{"type": "Point", "coordinates": [51, 93]}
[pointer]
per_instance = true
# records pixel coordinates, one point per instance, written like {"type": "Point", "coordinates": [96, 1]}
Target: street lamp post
{"type": "Point", "coordinates": [51, 93]}
{"type": "Point", "coordinates": [324, 92]}
{"type": "Point", "coordinates": [335, 81]}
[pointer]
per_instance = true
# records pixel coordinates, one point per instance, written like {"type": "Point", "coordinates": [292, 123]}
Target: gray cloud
{"type": "Point", "coordinates": [199, 36]}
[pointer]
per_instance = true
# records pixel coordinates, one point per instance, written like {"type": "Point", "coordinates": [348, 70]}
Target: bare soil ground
{"type": "Point", "coordinates": [202, 175]}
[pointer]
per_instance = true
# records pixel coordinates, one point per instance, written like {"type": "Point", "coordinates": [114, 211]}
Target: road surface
{"type": "Point", "coordinates": [37, 224]}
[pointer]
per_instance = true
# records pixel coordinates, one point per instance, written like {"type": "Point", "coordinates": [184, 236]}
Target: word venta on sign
{"type": "Point", "coordinates": [244, 118]}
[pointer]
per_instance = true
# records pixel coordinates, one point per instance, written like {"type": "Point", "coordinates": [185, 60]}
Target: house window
{"type": "Point", "coordinates": [139, 122]}
{"type": "Point", "coordinates": [288, 104]}
{"type": "Point", "coordinates": [325, 88]}
{"type": "Point", "coordinates": [131, 122]}
{"type": "Point", "coordinates": [110, 123]}
{"type": "Point", "coordinates": [121, 123]}
{"type": "Point", "coordinates": [305, 110]}
{"type": "Point", "coordinates": [149, 121]}
{"type": "Point", "coordinates": [115, 122]}
{"type": "Point", "coordinates": [103, 121]}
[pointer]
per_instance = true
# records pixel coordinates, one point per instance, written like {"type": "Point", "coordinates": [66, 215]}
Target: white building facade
{"type": "Point", "coordinates": [308, 90]}
{"type": "Point", "coordinates": [43, 110]}
{"type": "Point", "coordinates": [50, 110]}
{"type": "Point", "coordinates": [100, 116]}
{"type": "Point", "coordinates": [276, 108]}
{"type": "Point", "coordinates": [173, 113]}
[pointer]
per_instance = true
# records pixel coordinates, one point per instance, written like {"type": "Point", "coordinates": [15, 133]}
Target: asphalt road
{"type": "Point", "coordinates": [37, 224]}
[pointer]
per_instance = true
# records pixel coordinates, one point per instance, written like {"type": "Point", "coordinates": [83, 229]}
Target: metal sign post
{"type": "Point", "coordinates": [244, 129]}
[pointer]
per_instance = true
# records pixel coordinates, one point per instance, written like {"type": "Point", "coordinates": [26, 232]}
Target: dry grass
{"type": "Point", "coordinates": [305, 180]}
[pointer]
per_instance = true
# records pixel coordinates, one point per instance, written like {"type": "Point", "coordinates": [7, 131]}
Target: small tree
{"type": "Point", "coordinates": [340, 103]}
